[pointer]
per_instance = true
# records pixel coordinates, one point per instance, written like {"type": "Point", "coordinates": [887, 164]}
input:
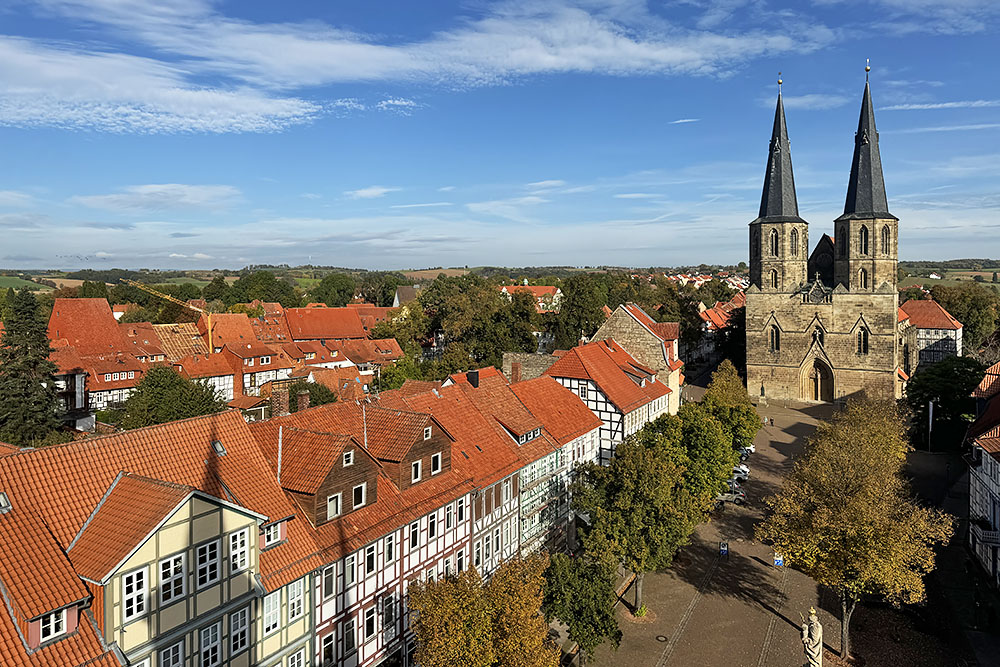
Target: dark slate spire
{"type": "Point", "coordinates": [777, 202]}
{"type": "Point", "coordinates": [866, 189]}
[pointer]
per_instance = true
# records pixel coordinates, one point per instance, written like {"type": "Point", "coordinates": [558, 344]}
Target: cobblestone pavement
{"type": "Point", "coordinates": [738, 610]}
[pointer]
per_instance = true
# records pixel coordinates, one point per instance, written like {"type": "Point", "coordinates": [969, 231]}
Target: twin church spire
{"type": "Point", "coordinates": [777, 202]}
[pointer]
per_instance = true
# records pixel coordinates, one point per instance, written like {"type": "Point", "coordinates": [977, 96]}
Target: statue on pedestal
{"type": "Point", "coordinates": [812, 640]}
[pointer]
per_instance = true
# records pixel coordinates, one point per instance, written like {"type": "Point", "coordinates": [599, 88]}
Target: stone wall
{"type": "Point", "coordinates": [532, 365]}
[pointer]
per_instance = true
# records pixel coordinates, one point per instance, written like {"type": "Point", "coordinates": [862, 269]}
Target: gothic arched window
{"type": "Point", "coordinates": [863, 240]}
{"type": "Point", "coordinates": [774, 279]}
{"type": "Point", "coordinates": [842, 241]}
{"type": "Point", "coordinates": [862, 340]}
{"type": "Point", "coordinates": [818, 335]}
{"type": "Point", "coordinates": [793, 244]}
{"type": "Point", "coordinates": [863, 279]}
{"type": "Point", "coordinates": [885, 239]}
{"type": "Point", "coordinates": [773, 242]}
{"type": "Point", "coordinates": [774, 338]}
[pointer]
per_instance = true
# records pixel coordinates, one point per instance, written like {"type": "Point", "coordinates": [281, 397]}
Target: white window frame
{"type": "Point", "coordinates": [138, 595]}
{"type": "Point", "coordinates": [276, 528]}
{"type": "Point", "coordinates": [478, 560]}
{"type": "Point", "coordinates": [337, 497]}
{"type": "Point", "coordinates": [239, 550]}
{"type": "Point", "coordinates": [349, 458]}
{"type": "Point", "coordinates": [389, 610]}
{"type": "Point", "coordinates": [460, 510]}
{"type": "Point", "coordinates": [272, 612]}
{"type": "Point", "coordinates": [369, 623]}
{"type": "Point", "coordinates": [207, 563]}
{"type": "Point", "coordinates": [427, 433]}
{"type": "Point", "coordinates": [264, 361]}
{"type": "Point", "coordinates": [435, 463]}
{"type": "Point", "coordinates": [329, 582]}
{"type": "Point", "coordinates": [239, 631]}
{"type": "Point", "coordinates": [170, 577]}
{"type": "Point", "coordinates": [107, 377]}
{"type": "Point", "coordinates": [583, 392]}
{"type": "Point", "coordinates": [364, 493]}
{"type": "Point", "coordinates": [390, 548]}
{"type": "Point", "coordinates": [460, 561]}
{"type": "Point", "coordinates": [296, 599]}
{"type": "Point", "coordinates": [414, 533]}
{"type": "Point", "coordinates": [350, 573]}
{"type": "Point", "coordinates": [350, 637]}
{"type": "Point", "coordinates": [448, 517]}
{"type": "Point", "coordinates": [172, 656]}
{"type": "Point", "coordinates": [297, 659]}
{"type": "Point", "coordinates": [52, 625]}
{"type": "Point", "coordinates": [415, 472]}
{"type": "Point", "coordinates": [370, 560]}
{"type": "Point", "coordinates": [432, 526]}
{"type": "Point", "coordinates": [210, 649]}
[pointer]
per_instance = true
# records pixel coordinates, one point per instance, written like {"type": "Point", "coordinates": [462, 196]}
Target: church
{"type": "Point", "coordinates": [825, 326]}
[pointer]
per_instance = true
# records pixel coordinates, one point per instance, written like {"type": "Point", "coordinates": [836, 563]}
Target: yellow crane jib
{"type": "Point", "coordinates": [173, 299]}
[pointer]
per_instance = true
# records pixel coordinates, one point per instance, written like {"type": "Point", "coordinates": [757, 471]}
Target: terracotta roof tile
{"type": "Point", "coordinates": [66, 358]}
{"type": "Point", "coordinates": [87, 324]}
{"type": "Point", "coordinates": [79, 649]}
{"type": "Point", "coordinates": [204, 366]}
{"type": "Point", "coordinates": [990, 386]}
{"type": "Point", "coordinates": [306, 457]}
{"type": "Point", "coordinates": [180, 340]}
{"type": "Point", "coordinates": [228, 329]}
{"type": "Point", "coordinates": [564, 415]}
{"type": "Point", "coordinates": [141, 339]}
{"type": "Point", "coordinates": [928, 314]}
{"type": "Point", "coordinates": [323, 323]}
{"type": "Point", "coordinates": [414, 387]}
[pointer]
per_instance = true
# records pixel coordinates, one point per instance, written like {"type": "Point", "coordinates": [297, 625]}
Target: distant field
{"type": "Point", "coordinates": [307, 283]}
{"type": "Point", "coordinates": [63, 282]}
{"type": "Point", "coordinates": [180, 281]}
{"type": "Point", "coordinates": [17, 283]}
{"type": "Point", "coordinates": [431, 274]}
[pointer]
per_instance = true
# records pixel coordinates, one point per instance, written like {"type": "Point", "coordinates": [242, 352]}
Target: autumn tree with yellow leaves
{"type": "Point", "coordinates": [462, 621]}
{"type": "Point", "coordinates": [845, 515]}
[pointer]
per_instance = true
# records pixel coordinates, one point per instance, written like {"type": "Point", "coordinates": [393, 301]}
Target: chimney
{"type": "Point", "coordinates": [515, 372]}
{"type": "Point", "coordinates": [279, 401]}
{"type": "Point", "coordinates": [302, 400]}
{"type": "Point", "coordinates": [473, 377]}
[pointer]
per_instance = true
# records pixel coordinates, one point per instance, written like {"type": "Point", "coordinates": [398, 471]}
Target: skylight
{"type": "Point", "coordinates": [218, 447]}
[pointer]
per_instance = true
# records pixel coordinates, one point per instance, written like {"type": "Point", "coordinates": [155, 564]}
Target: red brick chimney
{"type": "Point", "coordinates": [279, 401]}
{"type": "Point", "coordinates": [302, 400]}
{"type": "Point", "coordinates": [515, 372]}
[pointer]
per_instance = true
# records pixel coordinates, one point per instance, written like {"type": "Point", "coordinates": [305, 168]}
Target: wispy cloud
{"type": "Point", "coordinates": [545, 185]}
{"type": "Point", "coordinates": [163, 197]}
{"type": "Point", "coordinates": [813, 101]}
{"type": "Point", "coordinates": [681, 121]}
{"type": "Point", "coordinates": [14, 198]}
{"type": "Point", "coordinates": [637, 195]}
{"type": "Point", "coordinates": [427, 205]}
{"type": "Point", "coordinates": [397, 105]}
{"type": "Point", "coordinates": [965, 104]}
{"type": "Point", "coordinates": [371, 192]}
{"type": "Point", "coordinates": [446, 188]}
{"type": "Point", "coordinates": [511, 209]}
{"type": "Point", "coordinates": [950, 128]}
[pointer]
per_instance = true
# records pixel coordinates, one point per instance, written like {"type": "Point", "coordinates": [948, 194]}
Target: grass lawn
{"type": "Point", "coordinates": [18, 283]}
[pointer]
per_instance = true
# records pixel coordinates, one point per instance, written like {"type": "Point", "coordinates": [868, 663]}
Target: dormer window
{"type": "Point", "coordinates": [359, 496]}
{"type": "Point", "coordinates": [107, 377]}
{"type": "Point", "coordinates": [272, 534]}
{"type": "Point", "coordinates": [349, 458]}
{"type": "Point", "coordinates": [415, 471]}
{"type": "Point", "coordinates": [53, 625]}
{"type": "Point", "coordinates": [333, 507]}
{"type": "Point", "coordinates": [310, 355]}
{"type": "Point", "coordinates": [436, 463]}
{"type": "Point", "coordinates": [264, 361]}
{"type": "Point", "coordinates": [4, 503]}
{"type": "Point", "coordinates": [248, 362]}
{"type": "Point", "coordinates": [427, 433]}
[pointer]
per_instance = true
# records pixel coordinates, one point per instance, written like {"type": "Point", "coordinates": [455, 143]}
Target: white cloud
{"type": "Point", "coordinates": [511, 209]}
{"type": "Point", "coordinates": [812, 101]}
{"type": "Point", "coordinates": [950, 128]}
{"type": "Point", "coordinates": [371, 192]}
{"type": "Point", "coordinates": [427, 205]}
{"type": "Point", "coordinates": [446, 188]}
{"type": "Point", "coordinates": [200, 255]}
{"type": "Point", "coordinates": [637, 195]}
{"type": "Point", "coordinates": [397, 105]}
{"type": "Point", "coordinates": [683, 120]}
{"type": "Point", "coordinates": [100, 254]}
{"type": "Point", "coordinates": [310, 195]}
{"type": "Point", "coordinates": [13, 198]}
{"type": "Point", "coordinates": [966, 104]}
{"type": "Point", "coordinates": [163, 197]}
{"type": "Point", "coordinates": [545, 185]}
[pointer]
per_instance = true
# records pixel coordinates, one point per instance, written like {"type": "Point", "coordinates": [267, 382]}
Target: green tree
{"type": "Point", "coordinates": [379, 287]}
{"type": "Point", "coordinates": [580, 311]}
{"type": "Point", "coordinates": [29, 412]}
{"type": "Point", "coordinates": [6, 303]}
{"type": "Point", "coordinates": [580, 592]}
{"type": "Point", "coordinates": [216, 290]}
{"type": "Point", "coordinates": [263, 285]}
{"type": "Point", "coordinates": [93, 290]}
{"type": "Point", "coordinates": [336, 290]}
{"type": "Point", "coordinates": [995, 277]}
{"type": "Point", "coordinates": [845, 515]}
{"type": "Point", "coordinates": [520, 633]}
{"type": "Point", "coordinates": [911, 293]}
{"type": "Point", "coordinates": [727, 400]}
{"type": "Point", "coordinates": [163, 395]}
{"type": "Point", "coordinates": [319, 394]}
{"type": "Point", "coordinates": [972, 304]}
{"type": "Point", "coordinates": [409, 325]}
{"type": "Point", "coordinates": [949, 384]}
{"type": "Point", "coordinates": [710, 452]}
{"type": "Point", "coordinates": [640, 505]}
{"type": "Point", "coordinates": [394, 375]}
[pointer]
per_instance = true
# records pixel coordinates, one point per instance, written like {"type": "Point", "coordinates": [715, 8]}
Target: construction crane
{"type": "Point", "coordinates": [183, 304]}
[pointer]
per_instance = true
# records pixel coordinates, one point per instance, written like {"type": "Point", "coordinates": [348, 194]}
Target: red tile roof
{"type": "Point", "coordinates": [929, 314]}
{"type": "Point", "coordinates": [272, 328]}
{"type": "Point", "coordinates": [564, 415]}
{"type": "Point", "coordinates": [129, 512]}
{"type": "Point", "coordinates": [247, 402]}
{"type": "Point", "coordinates": [86, 324]}
{"type": "Point", "coordinates": [6, 449]}
{"type": "Point", "coordinates": [141, 339]}
{"type": "Point", "coordinates": [323, 323]}
{"type": "Point", "coordinates": [990, 386]}
{"type": "Point", "coordinates": [486, 372]}
{"type": "Point", "coordinates": [901, 315]}
{"type": "Point", "coordinates": [66, 358]}
{"type": "Point", "coordinates": [307, 457]}
{"type": "Point", "coordinates": [228, 329]}
{"type": "Point", "coordinates": [204, 366]}
{"type": "Point", "coordinates": [180, 340]}
{"type": "Point", "coordinates": [381, 351]}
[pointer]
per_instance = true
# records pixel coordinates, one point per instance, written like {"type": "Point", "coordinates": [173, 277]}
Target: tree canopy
{"type": "Point", "coordinates": [319, 394]}
{"type": "Point", "coordinates": [949, 383]}
{"type": "Point", "coordinates": [263, 285]}
{"type": "Point", "coordinates": [163, 395]}
{"type": "Point", "coordinates": [972, 304]}
{"type": "Point", "coordinates": [580, 592]}
{"type": "Point", "coordinates": [845, 515]}
{"type": "Point", "coordinates": [335, 290]}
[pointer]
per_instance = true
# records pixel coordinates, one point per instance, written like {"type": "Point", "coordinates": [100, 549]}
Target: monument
{"type": "Point", "coordinates": [812, 640]}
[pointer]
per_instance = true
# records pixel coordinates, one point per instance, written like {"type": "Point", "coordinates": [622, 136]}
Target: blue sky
{"type": "Point", "coordinates": [396, 134]}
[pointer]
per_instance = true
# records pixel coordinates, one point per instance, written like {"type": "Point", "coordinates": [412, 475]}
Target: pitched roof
{"type": "Point", "coordinates": [204, 366]}
{"type": "Point", "coordinates": [414, 387]}
{"type": "Point", "coordinates": [228, 329]}
{"type": "Point", "coordinates": [483, 373]}
{"type": "Point", "coordinates": [6, 449]}
{"type": "Point", "coordinates": [180, 340]}
{"type": "Point", "coordinates": [613, 370]}
{"type": "Point", "coordinates": [929, 314]}
{"type": "Point", "coordinates": [66, 358]}
{"type": "Point", "coordinates": [777, 200]}
{"type": "Point", "coordinates": [272, 328]}
{"type": "Point", "coordinates": [866, 187]}
{"type": "Point", "coordinates": [665, 331]}
{"type": "Point", "coordinates": [86, 324]}
{"type": "Point", "coordinates": [564, 415]}
{"type": "Point", "coordinates": [363, 351]}
{"type": "Point", "coordinates": [323, 323]}
{"type": "Point", "coordinates": [129, 512]}
{"type": "Point", "coordinates": [141, 339]}
{"type": "Point", "coordinates": [407, 293]}
{"type": "Point", "coordinates": [307, 457]}
{"type": "Point", "coordinates": [990, 385]}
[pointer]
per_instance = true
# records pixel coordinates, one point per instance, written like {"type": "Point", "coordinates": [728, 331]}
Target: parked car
{"type": "Point", "coordinates": [741, 472]}
{"type": "Point", "coordinates": [733, 484]}
{"type": "Point", "coordinates": [736, 496]}
{"type": "Point", "coordinates": [745, 452]}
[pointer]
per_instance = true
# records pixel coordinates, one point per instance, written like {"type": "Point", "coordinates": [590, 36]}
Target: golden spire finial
{"type": "Point", "coordinates": [779, 83]}
{"type": "Point", "coordinates": [868, 67]}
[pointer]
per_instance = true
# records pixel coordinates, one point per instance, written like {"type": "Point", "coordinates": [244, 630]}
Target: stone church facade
{"type": "Point", "coordinates": [825, 326]}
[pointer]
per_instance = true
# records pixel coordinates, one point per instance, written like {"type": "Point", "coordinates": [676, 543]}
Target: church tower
{"type": "Point", "coordinates": [866, 235]}
{"type": "Point", "coordinates": [779, 242]}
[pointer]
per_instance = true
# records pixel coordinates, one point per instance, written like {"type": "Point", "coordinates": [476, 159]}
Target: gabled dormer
{"type": "Point", "coordinates": [412, 446]}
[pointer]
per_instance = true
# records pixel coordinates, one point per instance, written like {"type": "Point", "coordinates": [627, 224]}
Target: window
{"type": "Point", "coordinates": [460, 560]}
{"type": "Point", "coordinates": [793, 243]}
{"type": "Point", "coordinates": [210, 651]}
{"type": "Point", "coordinates": [359, 496]}
{"type": "Point", "coordinates": [328, 646]}
{"type": "Point", "coordinates": [349, 458]}
{"type": "Point", "coordinates": [583, 392]}
{"type": "Point", "coordinates": [818, 335]}
{"type": "Point", "coordinates": [208, 563]}
{"type": "Point", "coordinates": [296, 597]}
{"type": "Point", "coordinates": [414, 535]}
{"type": "Point", "coordinates": [173, 656]}
{"type": "Point", "coordinates": [390, 548]}
{"type": "Point", "coordinates": [369, 559]}
{"type": "Point", "coordinates": [461, 510]}
{"type": "Point", "coordinates": [430, 574]}
{"type": "Point", "coordinates": [329, 582]}
{"type": "Point", "coordinates": [115, 376]}
{"type": "Point", "coordinates": [171, 578]}
{"type": "Point", "coordinates": [477, 559]}
{"type": "Point", "coordinates": [447, 517]}
{"type": "Point", "coordinates": [239, 624]}
{"type": "Point", "coordinates": [862, 341]}
{"type": "Point", "coordinates": [415, 471]}
{"type": "Point", "coordinates": [863, 240]}
{"type": "Point", "coordinates": [248, 362]}
{"type": "Point", "coordinates": [349, 570]}
{"type": "Point", "coordinates": [427, 433]}
{"type": "Point", "coordinates": [774, 279]}
{"type": "Point", "coordinates": [863, 279]}
{"type": "Point", "coordinates": [436, 463]}
{"type": "Point", "coordinates": [332, 506]}
{"type": "Point", "coordinates": [107, 377]}
{"type": "Point", "coordinates": [506, 533]}
{"type": "Point", "coordinates": [134, 591]}
{"type": "Point", "coordinates": [774, 338]}
{"type": "Point", "coordinates": [350, 641]}
{"type": "Point", "coordinates": [772, 241]}
{"type": "Point", "coordinates": [486, 547]}
{"type": "Point", "coordinates": [369, 623]}
{"type": "Point", "coordinates": [272, 534]}
{"type": "Point", "coordinates": [506, 490]}
{"type": "Point", "coordinates": [432, 526]}
{"type": "Point", "coordinates": [53, 625]}
{"type": "Point", "coordinates": [264, 361]}
{"type": "Point", "coordinates": [272, 612]}
{"type": "Point", "coordinates": [389, 610]}
{"type": "Point", "coordinates": [297, 659]}
{"type": "Point", "coordinates": [885, 239]}
{"type": "Point", "coordinates": [238, 551]}
{"type": "Point", "coordinates": [496, 541]}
